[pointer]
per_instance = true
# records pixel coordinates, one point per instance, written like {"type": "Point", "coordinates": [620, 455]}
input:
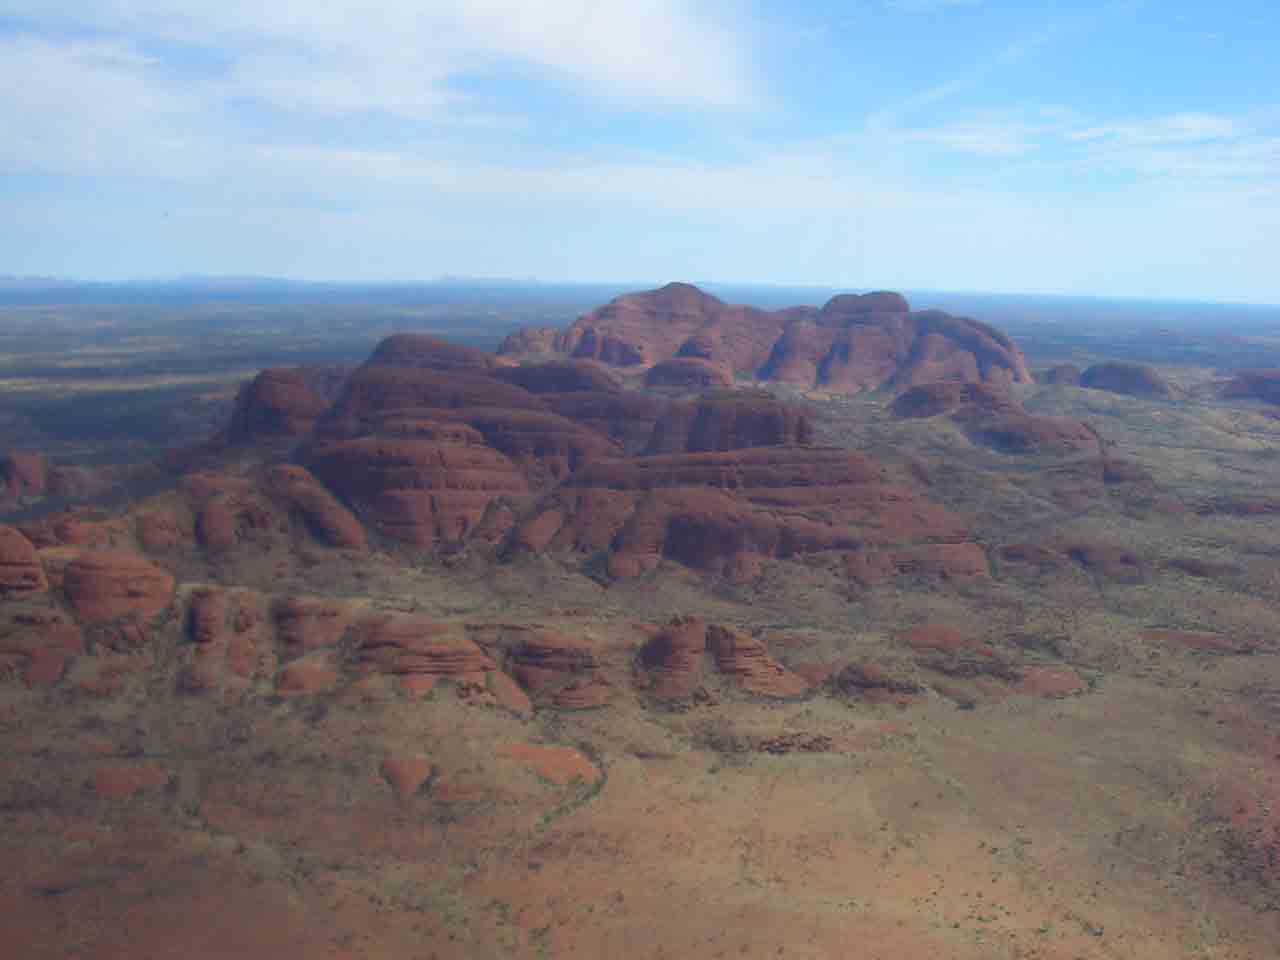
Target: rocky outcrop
{"type": "Point", "coordinates": [305, 625]}
{"type": "Point", "coordinates": [955, 398]}
{"type": "Point", "coordinates": [992, 418]}
{"type": "Point", "coordinates": [230, 638]}
{"type": "Point", "coordinates": [107, 585]}
{"type": "Point", "coordinates": [21, 574]}
{"type": "Point", "coordinates": [626, 417]}
{"type": "Point", "coordinates": [853, 343]}
{"type": "Point", "coordinates": [327, 519]}
{"type": "Point", "coordinates": [573, 376]}
{"type": "Point", "coordinates": [731, 422]}
{"type": "Point", "coordinates": [688, 373]}
{"type": "Point", "coordinates": [1131, 379]}
{"type": "Point", "coordinates": [747, 661]}
{"type": "Point", "coordinates": [276, 403]}
{"type": "Point", "coordinates": [423, 352]}
{"type": "Point", "coordinates": [416, 491]}
{"type": "Point", "coordinates": [674, 659]}
{"type": "Point", "coordinates": [709, 510]}
{"type": "Point", "coordinates": [560, 671]}
{"type": "Point", "coordinates": [376, 391]}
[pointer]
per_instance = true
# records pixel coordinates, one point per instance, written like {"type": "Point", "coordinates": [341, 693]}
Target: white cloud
{"type": "Point", "coordinates": [396, 56]}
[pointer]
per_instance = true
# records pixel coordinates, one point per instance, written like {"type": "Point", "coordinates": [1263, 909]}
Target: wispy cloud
{"type": "Point", "coordinates": [401, 56]}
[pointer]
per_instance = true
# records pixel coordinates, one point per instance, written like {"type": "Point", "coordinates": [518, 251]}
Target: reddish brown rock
{"type": "Point", "coordinates": [413, 490]}
{"type": "Point", "coordinates": [950, 396]}
{"type": "Point", "coordinates": [560, 671]}
{"type": "Point", "coordinates": [674, 659]}
{"type": "Point", "coordinates": [688, 373]}
{"type": "Point", "coordinates": [627, 417]}
{"type": "Point", "coordinates": [327, 519]}
{"type": "Point", "coordinates": [747, 661]}
{"type": "Point", "coordinates": [733, 422]}
{"type": "Point", "coordinates": [21, 574]}
{"type": "Point", "coordinates": [546, 445]}
{"type": "Point", "coordinates": [715, 511]}
{"type": "Point", "coordinates": [406, 775]}
{"type": "Point", "coordinates": [304, 625]}
{"type": "Point", "coordinates": [573, 376]}
{"type": "Point", "coordinates": [106, 585]}
{"type": "Point", "coordinates": [853, 343]}
{"type": "Point", "coordinates": [277, 403]}
{"type": "Point", "coordinates": [407, 646]}
{"type": "Point", "coordinates": [423, 352]}
{"type": "Point", "coordinates": [1131, 379]}
{"type": "Point", "coordinates": [231, 645]}
{"type": "Point", "coordinates": [376, 391]}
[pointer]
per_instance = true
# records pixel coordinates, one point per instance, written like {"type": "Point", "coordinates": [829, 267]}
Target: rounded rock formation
{"type": "Point", "coordinates": [107, 585]}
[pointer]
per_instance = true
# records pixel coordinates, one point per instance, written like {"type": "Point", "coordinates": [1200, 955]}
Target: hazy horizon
{"type": "Point", "coordinates": [1116, 149]}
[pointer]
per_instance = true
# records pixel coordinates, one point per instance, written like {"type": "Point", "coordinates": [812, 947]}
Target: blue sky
{"type": "Point", "coordinates": [1125, 148]}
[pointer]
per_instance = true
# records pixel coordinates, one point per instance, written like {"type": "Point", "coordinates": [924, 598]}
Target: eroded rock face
{"type": "Point", "coordinates": [21, 574]}
{"type": "Point", "coordinates": [560, 671]}
{"type": "Point", "coordinates": [991, 417]}
{"type": "Point", "coordinates": [688, 373]}
{"type": "Point", "coordinates": [713, 511]}
{"type": "Point", "coordinates": [108, 584]}
{"type": "Point", "coordinates": [674, 658]}
{"type": "Point", "coordinates": [1131, 379]}
{"type": "Point", "coordinates": [328, 520]}
{"type": "Point", "coordinates": [277, 403]}
{"type": "Point", "coordinates": [734, 422]}
{"type": "Point", "coordinates": [952, 397]}
{"type": "Point", "coordinates": [429, 353]}
{"type": "Point", "coordinates": [853, 343]}
{"type": "Point", "coordinates": [416, 491]}
{"type": "Point", "coordinates": [377, 390]}
{"type": "Point", "coordinates": [573, 376]}
{"type": "Point", "coordinates": [747, 661]}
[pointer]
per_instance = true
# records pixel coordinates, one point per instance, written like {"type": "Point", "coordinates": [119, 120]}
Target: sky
{"type": "Point", "coordinates": [1127, 148]}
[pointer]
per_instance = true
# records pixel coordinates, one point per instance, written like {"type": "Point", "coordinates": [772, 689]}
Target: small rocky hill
{"type": "Point", "coordinates": [852, 344]}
